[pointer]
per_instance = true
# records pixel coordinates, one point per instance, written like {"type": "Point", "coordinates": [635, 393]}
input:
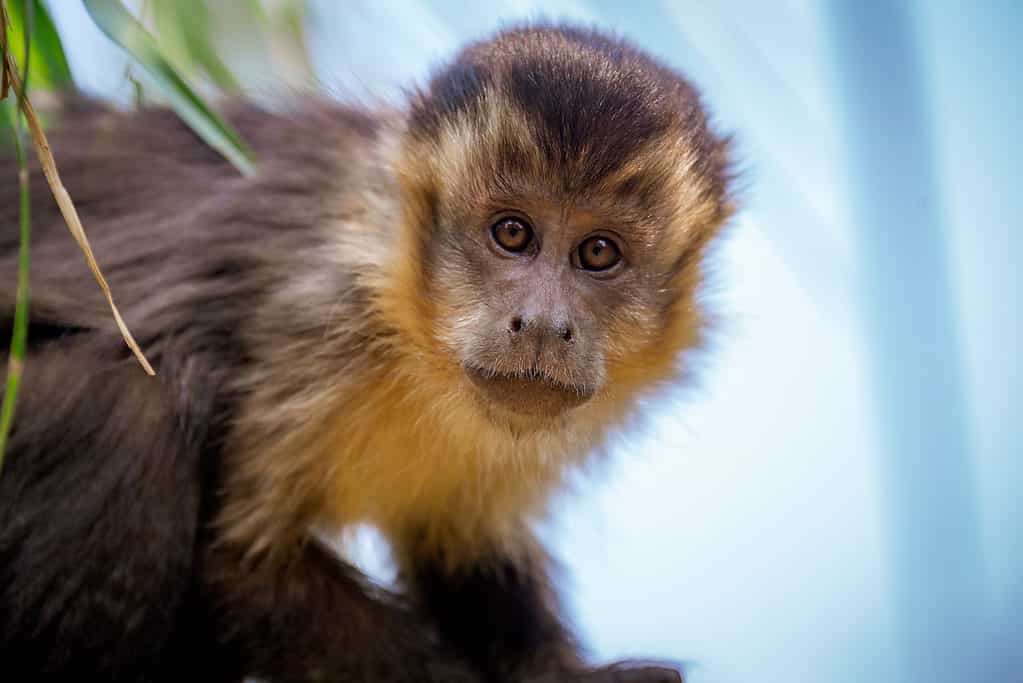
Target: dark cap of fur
{"type": "Point", "coordinates": [593, 100]}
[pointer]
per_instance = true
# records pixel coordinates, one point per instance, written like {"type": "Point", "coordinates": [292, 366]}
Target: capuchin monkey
{"type": "Point", "coordinates": [422, 319]}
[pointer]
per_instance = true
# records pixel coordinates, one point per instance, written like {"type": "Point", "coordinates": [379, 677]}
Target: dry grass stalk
{"type": "Point", "coordinates": [60, 194]}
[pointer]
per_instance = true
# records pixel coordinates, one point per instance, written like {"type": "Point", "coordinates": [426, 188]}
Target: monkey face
{"type": "Point", "coordinates": [534, 289]}
{"type": "Point", "coordinates": [539, 299]}
{"type": "Point", "coordinates": [560, 191]}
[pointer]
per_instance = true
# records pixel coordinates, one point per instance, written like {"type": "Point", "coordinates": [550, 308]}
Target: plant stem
{"type": "Point", "coordinates": [19, 335]}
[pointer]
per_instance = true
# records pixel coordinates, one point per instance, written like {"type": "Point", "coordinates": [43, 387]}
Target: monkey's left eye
{"type": "Point", "coordinates": [599, 253]}
{"type": "Point", "coordinates": [512, 234]}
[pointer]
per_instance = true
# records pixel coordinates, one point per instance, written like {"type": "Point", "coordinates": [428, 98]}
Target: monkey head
{"type": "Point", "coordinates": [559, 188]}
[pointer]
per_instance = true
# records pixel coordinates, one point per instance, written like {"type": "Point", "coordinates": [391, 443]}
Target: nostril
{"type": "Point", "coordinates": [516, 324]}
{"type": "Point", "coordinates": [566, 334]}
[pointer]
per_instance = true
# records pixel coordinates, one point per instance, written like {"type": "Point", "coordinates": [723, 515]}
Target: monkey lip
{"type": "Point", "coordinates": [533, 392]}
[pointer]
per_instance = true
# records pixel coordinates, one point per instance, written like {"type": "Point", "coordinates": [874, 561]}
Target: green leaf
{"type": "Point", "coordinates": [49, 64]}
{"type": "Point", "coordinates": [183, 31]}
{"type": "Point", "coordinates": [121, 27]}
{"type": "Point", "coordinates": [46, 55]}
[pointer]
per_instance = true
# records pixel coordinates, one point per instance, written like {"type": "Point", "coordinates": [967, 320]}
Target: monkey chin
{"type": "Point", "coordinates": [529, 394]}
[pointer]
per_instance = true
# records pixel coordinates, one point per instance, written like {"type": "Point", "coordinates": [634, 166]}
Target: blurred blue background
{"type": "Point", "coordinates": [837, 498]}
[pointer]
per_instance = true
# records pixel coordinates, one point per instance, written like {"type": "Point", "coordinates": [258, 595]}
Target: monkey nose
{"type": "Point", "coordinates": [541, 329]}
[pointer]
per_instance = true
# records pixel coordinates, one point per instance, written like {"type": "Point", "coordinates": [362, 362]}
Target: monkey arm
{"type": "Point", "coordinates": [501, 614]}
{"type": "Point", "coordinates": [496, 613]}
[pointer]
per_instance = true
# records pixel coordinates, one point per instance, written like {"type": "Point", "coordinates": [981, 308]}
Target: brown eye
{"type": "Point", "coordinates": [599, 253]}
{"type": "Point", "coordinates": [512, 234]}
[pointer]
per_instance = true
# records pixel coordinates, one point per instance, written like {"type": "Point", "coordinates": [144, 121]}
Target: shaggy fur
{"type": "Point", "coordinates": [311, 328]}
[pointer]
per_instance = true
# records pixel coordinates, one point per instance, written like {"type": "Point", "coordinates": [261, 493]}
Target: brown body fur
{"type": "Point", "coordinates": [318, 306]}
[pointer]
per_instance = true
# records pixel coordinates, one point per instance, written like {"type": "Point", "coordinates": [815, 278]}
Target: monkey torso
{"type": "Point", "coordinates": [325, 413]}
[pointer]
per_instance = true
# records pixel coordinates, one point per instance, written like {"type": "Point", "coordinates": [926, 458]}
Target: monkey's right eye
{"type": "Point", "coordinates": [512, 234]}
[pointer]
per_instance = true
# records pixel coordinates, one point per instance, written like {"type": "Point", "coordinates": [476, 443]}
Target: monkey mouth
{"type": "Point", "coordinates": [533, 392]}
